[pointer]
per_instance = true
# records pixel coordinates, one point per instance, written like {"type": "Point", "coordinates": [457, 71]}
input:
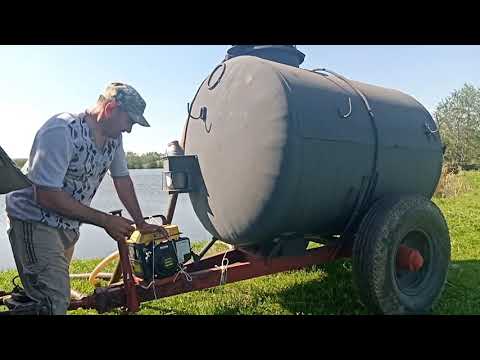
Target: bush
{"type": "Point", "coordinates": [452, 182]}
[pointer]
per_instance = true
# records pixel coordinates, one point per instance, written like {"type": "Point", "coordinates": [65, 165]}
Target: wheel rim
{"type": "Point", "coordinates": [412, 283]}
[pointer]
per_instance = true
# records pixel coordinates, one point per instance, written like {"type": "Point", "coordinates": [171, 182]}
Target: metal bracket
{"type": "Point", "coordinates": [429, 129]}
{"type": "Point", "coordinates": [349, 109]}
{"type": "Point", "coordinates": [287, 244]}
{"type": "Point", "coordinates": [211, 87]}
{"type": "Point", "coordinates": [181, 174]}
{"type": "Point", "coordinates": [202, 116]}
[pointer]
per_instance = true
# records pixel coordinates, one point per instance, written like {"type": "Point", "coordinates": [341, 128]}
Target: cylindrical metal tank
{"type": "Point", "coordinates": [284, 149]}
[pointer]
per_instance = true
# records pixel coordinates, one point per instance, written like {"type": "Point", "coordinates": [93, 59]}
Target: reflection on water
{"type": "Point", "coordinates": [94, 241]}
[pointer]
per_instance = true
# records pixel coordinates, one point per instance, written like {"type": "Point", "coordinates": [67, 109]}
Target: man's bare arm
{"type": "Point", "coordinates": [64, 204]}
{"type": "Point", "coordinates": [128, 197]}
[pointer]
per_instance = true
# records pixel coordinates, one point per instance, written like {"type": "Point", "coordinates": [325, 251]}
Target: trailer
{"type": "Point", "coordinates": [273, 156]}
{"type": "Point", "coordinates": [232, 266]}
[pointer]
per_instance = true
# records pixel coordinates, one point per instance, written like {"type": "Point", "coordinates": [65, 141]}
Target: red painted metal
{"type": "Point", "coordinates": [409, 259]}
{"type": "Point", "coordinates": [206, 274]}
{"type": "Point", "coordinates": [133, 304]}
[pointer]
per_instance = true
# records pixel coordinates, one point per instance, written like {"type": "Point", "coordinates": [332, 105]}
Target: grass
{"type": "Point", "coordinates": [462, 292]}
{"type": "Point", "coordinates": [324, 289]}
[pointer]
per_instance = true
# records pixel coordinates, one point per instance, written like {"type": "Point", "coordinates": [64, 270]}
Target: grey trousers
{"type": "Point", "coordinates": [42, 255]}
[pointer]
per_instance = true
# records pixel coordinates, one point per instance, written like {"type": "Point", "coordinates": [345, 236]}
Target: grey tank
{"type": "Point", "coordinates": [281, 149]}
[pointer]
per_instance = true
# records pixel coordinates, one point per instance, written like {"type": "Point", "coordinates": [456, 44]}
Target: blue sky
{"type": "Point", "coordinates": [39, 81]}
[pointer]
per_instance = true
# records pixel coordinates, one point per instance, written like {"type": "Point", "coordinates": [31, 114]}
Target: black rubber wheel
{"type": "Point", "coordinates": [416, 222]}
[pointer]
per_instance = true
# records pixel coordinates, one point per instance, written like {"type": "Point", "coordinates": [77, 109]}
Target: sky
{"type": "Point", "coordinates": [37, 82]}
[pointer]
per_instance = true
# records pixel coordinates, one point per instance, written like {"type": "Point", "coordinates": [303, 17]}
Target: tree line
{"type": "Point", "coordinates": [458, 117]}
{"type": "Point", "coordinates": [150, 160]}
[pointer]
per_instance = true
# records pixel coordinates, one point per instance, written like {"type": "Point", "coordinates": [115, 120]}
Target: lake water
{"type": "Point", "coordinates": [94, 241]}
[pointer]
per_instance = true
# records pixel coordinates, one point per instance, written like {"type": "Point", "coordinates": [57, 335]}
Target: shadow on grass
{"type": "Point", "coordinates": [336, 294]}
{"type": "Point", "coordinates": [332, 295]}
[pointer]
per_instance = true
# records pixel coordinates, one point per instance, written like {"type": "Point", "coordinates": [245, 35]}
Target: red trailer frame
{"type": "Point", "coordinates": [231, 266]}
{"type": "Point", "coordinates": [238, 265]}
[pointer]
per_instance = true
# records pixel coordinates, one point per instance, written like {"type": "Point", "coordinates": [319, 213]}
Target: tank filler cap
{"type": "Point", "coordinates": [285, 54]}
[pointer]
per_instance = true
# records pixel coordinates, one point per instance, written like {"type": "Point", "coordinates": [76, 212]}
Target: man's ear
{"type": "Point", "coordinates": [109, 107]}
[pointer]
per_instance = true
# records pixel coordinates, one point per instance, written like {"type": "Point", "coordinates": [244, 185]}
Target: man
{"type": "Point", "coordinates": [68, 160]}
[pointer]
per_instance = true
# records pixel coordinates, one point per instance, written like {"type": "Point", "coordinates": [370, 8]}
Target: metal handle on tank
{"type": "Point", "coordinates": [363, 200]}
{"type": "Point", "coordinates": [223, 66]}
{"type": "Point", "coordinates": [349, 109]}
{"type": "Point", "coordinates": [349, 112]}
{"type": "Point", "coordinates": [202, 116]}
{"type": "Point", "coordinates": [429, 129]}
{"type": "Point", "coordinates": [365, 101]}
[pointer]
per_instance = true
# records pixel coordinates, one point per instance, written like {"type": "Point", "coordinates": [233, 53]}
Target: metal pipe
{"type": "Point", "coordinates": [171, 208]}
{"type": "Point", "coordinates": [128, 281]}
{"type": "Point", "coordinates": [205, 249]}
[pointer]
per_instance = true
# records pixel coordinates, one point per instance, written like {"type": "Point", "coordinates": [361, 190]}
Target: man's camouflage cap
{"type": "Point", "coordinates": [128, 99]}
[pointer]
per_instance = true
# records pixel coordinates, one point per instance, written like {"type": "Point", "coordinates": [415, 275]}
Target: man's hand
{"type": "Point", "coordinates": [118, 227]}
{"type": "Point", "coordinates": [146, 228]}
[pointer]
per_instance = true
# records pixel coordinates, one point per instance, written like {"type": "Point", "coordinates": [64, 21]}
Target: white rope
{"type": "Point", "coordinates": [153, 270]}
{"type": "Point", "coordinates": [148, 287]}
{"type": "Point", "coordinates": [223, 267]}
{"type": "Point", "coordinates": [153, 261]}
{"type": "Point", "coordinates": [182, 271]}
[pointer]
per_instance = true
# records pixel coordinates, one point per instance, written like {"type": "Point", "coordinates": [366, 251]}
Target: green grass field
{"type": "Point", "coordinates": [325, 289]}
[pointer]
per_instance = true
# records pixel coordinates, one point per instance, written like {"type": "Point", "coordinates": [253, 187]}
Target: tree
{"type": "Point", "coordinates": [458, 117]}
{"type": "Point", "coordinates": [149, 160]}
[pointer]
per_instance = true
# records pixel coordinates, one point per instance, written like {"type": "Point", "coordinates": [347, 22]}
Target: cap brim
{"type": "Point", "coordinates": [139, 119]}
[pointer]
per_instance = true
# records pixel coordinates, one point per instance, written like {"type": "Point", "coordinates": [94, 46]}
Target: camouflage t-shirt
{"type": "Point", "coordinates": [64, 157]}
